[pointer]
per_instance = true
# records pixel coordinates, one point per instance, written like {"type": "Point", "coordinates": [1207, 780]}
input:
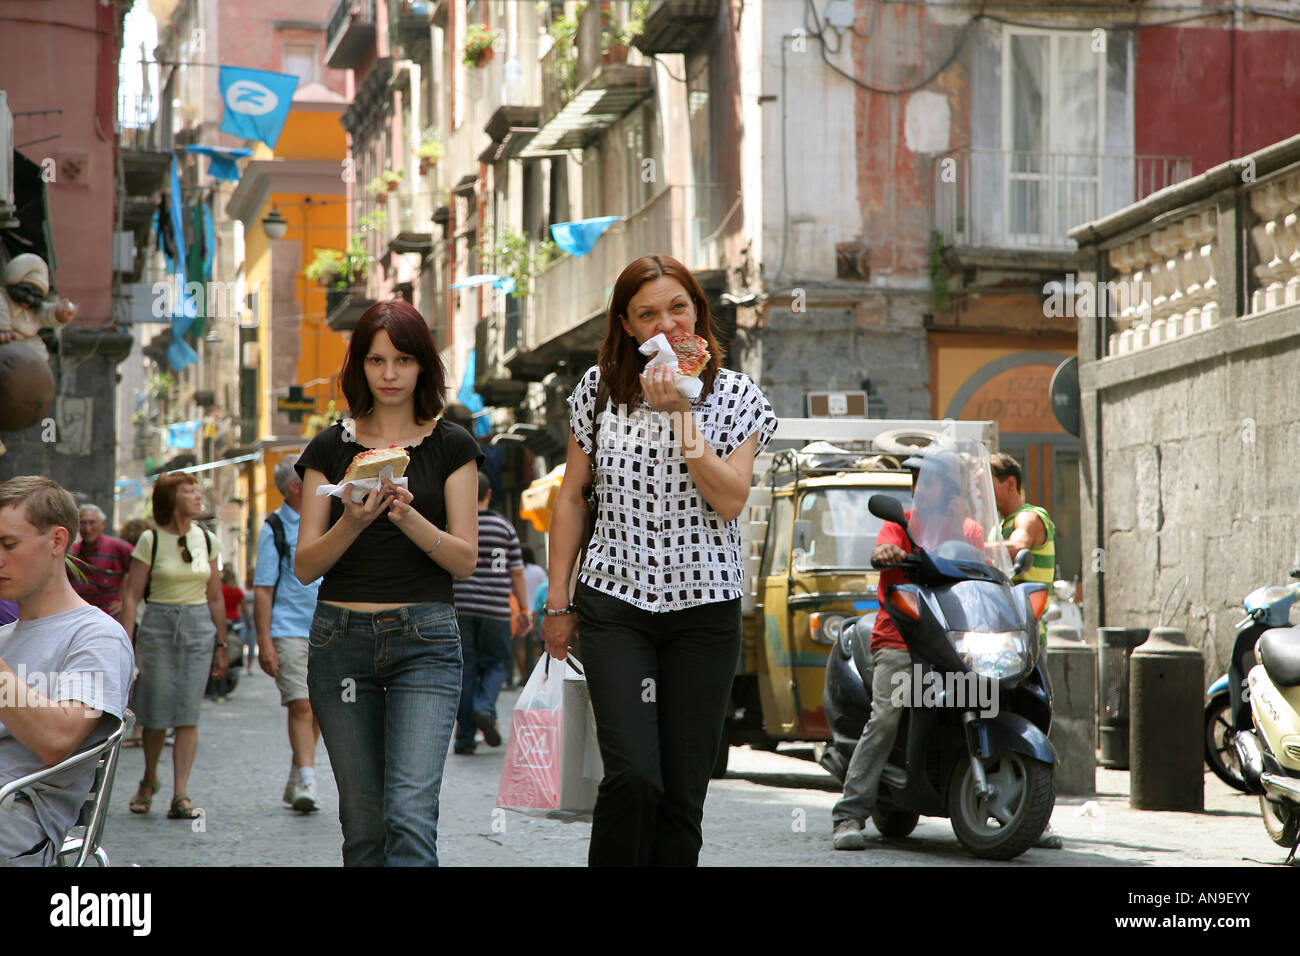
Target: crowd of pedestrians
{"type": "Point", "coordinates": [390, 621]}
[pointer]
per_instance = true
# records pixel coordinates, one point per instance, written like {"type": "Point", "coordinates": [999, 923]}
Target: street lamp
{"type": "Point", "coordinates": [275, 225]}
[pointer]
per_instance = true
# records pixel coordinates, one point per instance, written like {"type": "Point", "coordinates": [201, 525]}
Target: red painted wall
{"type": "Point", "coordinates": [62, 55]}
{"type": "Point", "coordinates": [1185, 92]}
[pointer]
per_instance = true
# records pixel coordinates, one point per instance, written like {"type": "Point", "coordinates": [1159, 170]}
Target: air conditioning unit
{"type": "Point", "coordinates": [837, 404]}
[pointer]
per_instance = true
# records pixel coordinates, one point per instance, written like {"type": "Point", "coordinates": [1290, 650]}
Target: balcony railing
{"type": "Point", "coordinates": [350, 33]}
{"type": "Point", "coordinates": [682, 221]}
{"type": "Point", "coordinates": [1179, 268]}
{"type": "Point", "coordinates": [1008, 199]}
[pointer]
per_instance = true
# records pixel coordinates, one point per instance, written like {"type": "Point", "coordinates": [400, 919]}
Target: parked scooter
{"type": "Point", "coordinates": [1269, 755]}
{"type": "Point", "coordinates": [973, 636]}
{"type": "Point", "coordinates": [1227, 708]}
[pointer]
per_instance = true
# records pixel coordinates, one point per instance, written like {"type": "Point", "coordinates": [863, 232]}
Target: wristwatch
{"type": "Point", "coordinates": [551, 612]}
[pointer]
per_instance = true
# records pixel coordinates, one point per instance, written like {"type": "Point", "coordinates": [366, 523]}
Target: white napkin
{"type": "Point", "coordinates": [362, 486]}
{"type": "Point", "coordinates": [661, 353]}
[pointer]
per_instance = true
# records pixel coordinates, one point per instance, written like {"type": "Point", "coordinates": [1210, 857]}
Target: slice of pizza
{"type": "Point", "coordinates": [692, 353]}
{"type": "Point", "coordinates": [371, 462]}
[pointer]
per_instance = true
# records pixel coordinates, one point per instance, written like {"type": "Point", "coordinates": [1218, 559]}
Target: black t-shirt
{"type": "Point", "coordinates": [383, 565]}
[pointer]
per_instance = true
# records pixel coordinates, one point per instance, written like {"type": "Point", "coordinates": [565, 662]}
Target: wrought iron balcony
{"type": "Point", "coordinates": [677, 26]}
{"type": "Point", "coordinates": [1008, 199]}
{"type": "Point", "coordinates": [350, 34]}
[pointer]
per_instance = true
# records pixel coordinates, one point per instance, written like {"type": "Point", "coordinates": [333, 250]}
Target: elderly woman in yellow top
{"type": "Point", "coordinates": [175, 571]}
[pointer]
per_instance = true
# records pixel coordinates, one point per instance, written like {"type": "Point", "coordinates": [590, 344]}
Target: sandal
{"type": "Point", "coordinates": [183, 808]}
{"type": "Point", "coordinates": [144, 796]}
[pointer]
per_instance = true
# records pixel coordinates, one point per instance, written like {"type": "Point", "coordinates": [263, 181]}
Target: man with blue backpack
{"type": "Point", "coordinates": [282, 612]}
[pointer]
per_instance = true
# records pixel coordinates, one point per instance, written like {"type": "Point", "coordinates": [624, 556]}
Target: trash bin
{"type": "Point", "coordinates": [1114, 647]}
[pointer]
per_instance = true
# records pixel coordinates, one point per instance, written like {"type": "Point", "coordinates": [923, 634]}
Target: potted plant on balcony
{"type": "Point", "coordinates": [392, 179]}
{"type": "Point", "coordinates": [378, 190]}
{"type": "Point", "coordinates": [429, 151]}
{"type": "Point", "coordinates": [326, 267]}
{"type": "Point", "coordinates": [616, 39]}
{"type": "Point", "coordinates": [478, 44]}
{"type": "Point", "coordinates": [514, 256]}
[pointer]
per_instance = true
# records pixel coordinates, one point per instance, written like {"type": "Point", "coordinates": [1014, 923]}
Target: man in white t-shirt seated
{"type": "Point", "coordinates": [65, 670]}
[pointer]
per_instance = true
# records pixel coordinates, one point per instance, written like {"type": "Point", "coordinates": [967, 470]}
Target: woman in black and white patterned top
{"type": "Point", "coordinates": [658, 596]}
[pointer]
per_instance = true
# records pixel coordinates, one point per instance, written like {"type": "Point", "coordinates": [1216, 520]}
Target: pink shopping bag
{"type": "Point", "coordinates": [552, 762]}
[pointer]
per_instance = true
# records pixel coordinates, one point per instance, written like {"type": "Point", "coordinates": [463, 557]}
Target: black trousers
{"type": "Point", "coordinates": [659, 687]}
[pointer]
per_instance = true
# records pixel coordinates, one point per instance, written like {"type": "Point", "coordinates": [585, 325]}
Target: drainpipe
{"type": "Point", "coordinates": [1237, 79]}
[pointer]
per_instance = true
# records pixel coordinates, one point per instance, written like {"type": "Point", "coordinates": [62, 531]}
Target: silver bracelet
{"type": "Point", "coordinates": [435, 547]}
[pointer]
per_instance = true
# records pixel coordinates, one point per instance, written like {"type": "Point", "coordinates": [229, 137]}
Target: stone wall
{"type": "Point", "coordinates": [836, 345]}
{"type": "Point", "coordinates": [1199, 478]}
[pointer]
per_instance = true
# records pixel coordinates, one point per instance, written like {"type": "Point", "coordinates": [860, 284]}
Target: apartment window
{"type": "Point", "coordinates": [302, 60]}
{"type": "Point", "coordinates": [702, 199]}
{"type": "Point", "coordinates": [1053, 122]}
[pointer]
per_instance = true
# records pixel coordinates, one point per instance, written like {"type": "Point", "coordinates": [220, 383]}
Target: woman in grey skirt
{"type": "Point", "coordinates": [175, 571]}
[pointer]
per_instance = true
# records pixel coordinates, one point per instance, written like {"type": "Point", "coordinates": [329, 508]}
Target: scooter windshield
{"type": "Point", "coordinates": [955, 513]}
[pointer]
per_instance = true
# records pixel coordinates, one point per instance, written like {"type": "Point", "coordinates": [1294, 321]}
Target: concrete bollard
{"type": "Point", "coordinates": [1072, 670]}
{"type": "Point", "coordinates": [1166, 744]}
{"type": "Point", "coordinates": [1114, 645]}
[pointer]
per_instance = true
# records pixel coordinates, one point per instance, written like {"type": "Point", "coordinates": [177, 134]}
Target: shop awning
{"type": "Point", "coordinates": [537, 503]}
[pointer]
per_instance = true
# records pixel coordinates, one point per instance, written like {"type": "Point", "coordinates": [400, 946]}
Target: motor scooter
{"type": "Point", "coordinates": [972, 746]}
{"type": "Point", "coordinates": [1269, 754]}
{"type": "Point", "coordinates": [1227, 707]}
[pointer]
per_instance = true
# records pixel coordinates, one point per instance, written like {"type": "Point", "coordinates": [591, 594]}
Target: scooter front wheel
{"type": "Point", "coordinates": [895, 823]}
{"type": "Point", "coordinates": [1004, 824]}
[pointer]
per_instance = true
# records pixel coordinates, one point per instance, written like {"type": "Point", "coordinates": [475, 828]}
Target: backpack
{"type": "Point", "coordinates": [281, 547]}
{"type": "Point", "coordinates": [153, 556]}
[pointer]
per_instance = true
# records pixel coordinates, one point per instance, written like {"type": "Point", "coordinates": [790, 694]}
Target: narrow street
{"type": "Point", "coordinates": [773, 809]}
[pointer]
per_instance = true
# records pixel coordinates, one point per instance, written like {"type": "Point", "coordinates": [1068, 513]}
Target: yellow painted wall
{"type": "Point", "coordinates": [314, 222]}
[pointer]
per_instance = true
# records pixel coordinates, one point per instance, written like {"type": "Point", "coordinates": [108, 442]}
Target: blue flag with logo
{"type": "Point", "coordinates": [256, 102]}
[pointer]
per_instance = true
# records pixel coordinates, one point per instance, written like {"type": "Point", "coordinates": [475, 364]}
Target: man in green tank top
{"type": "Point", "coordinates": [1026, 526]}
{"type": "Point", "coordinates": [1023, 525]}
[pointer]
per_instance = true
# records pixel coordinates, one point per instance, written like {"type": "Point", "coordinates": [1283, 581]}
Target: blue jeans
{"type": "Point", "coordinates": [384, 686]}
{"type": "Point", "coordinates": [486, 646]}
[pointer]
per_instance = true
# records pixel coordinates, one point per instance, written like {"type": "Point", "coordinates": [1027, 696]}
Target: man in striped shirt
{"type": "Point", "coordinates": [483, 613]}
{"type": "Point", "coordinates": [103, 560]}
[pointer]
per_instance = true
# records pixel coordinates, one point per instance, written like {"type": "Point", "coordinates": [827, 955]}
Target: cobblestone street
{"type": "Point", "coordinates": [773, 809]}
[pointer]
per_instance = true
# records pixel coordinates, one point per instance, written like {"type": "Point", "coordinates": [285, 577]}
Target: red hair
{"type": "Point", "coordinates": [620, 362]}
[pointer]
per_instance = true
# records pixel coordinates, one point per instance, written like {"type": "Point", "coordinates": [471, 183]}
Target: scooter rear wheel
{"type": "Point", "coordinates": [1219, 753]}
{"type": "Point", "coordinates": [1281, 822]}
{"type": "Point", "coordinates": [1005, 825]}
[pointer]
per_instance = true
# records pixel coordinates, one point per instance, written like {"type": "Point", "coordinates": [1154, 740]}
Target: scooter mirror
{"type": "Point", "coordinates": [1022, 563]}
{"type": "Point", "coordinates": [887, 508]}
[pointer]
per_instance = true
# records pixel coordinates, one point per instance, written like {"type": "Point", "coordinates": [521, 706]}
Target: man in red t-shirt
{"type": "Point", "coordinates": [104, 560]}
{"type": "Point", "coordinates": [938, 515]}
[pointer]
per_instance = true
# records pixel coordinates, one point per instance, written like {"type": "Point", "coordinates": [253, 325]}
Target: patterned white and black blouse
{"type": "Point", "coordinates": [658, 545]}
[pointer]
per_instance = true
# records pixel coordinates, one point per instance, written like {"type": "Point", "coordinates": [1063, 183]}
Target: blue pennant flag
{"type": "Point", "coordinates": [257, 102]}
{"type": "Point", "coordinates": [223, 160]}
{"type": "Point", "coordinates": [184, 308]}
{"type": "Point", "coordinates": [505, 283]}
{"type": "Point", "coordinates": [577, 237]}
{"type": "Point", "coordinates": [472, 400]}
{"type": "Point", "coordinates": [183, 434]}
